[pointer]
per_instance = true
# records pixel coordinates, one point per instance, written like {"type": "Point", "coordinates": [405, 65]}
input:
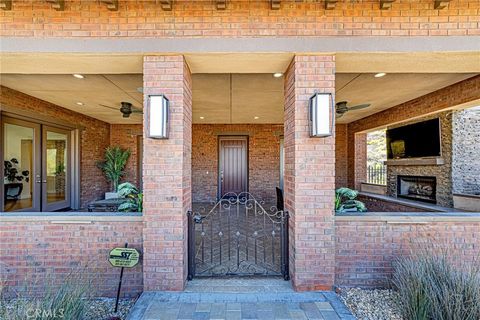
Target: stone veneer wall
{"type": "Point", "coordinates": [443, 173]}
{"type": "Point", "coordinates": [466, 151]}
{"type": "Point", "coordinates": [263, 159]}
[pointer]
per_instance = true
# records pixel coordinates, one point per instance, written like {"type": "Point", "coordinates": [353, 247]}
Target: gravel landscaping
{"type": "Point", "coordinates": [102, 309]}
{"type": "Point", "coordinates": [371, 304]}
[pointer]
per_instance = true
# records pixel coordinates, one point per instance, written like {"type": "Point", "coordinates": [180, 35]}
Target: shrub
{"type": "Point", "coordinates": [65, 301]}
{"type": "Point", "coordinates": [345, 201]}
{"type": "Point", "coordinates": [115, 161]}
{"type": "Point", "coordinates": [431, 287]}
{"type": "Point", "coordinates": [133, 195]}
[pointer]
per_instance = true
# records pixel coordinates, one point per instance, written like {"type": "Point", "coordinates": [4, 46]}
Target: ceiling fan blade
{"type": "Point", "coordinates": [137, 111]}
{"type": "Point", "coordinates": [105, 106]}
{"type": "Point", "coordinates": [360, 106]}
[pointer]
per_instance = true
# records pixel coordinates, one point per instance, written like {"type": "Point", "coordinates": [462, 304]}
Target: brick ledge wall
{"type": "Point", "coordinates": [365, 249]}
{"type": "Point", "coordinates": [34, 249]}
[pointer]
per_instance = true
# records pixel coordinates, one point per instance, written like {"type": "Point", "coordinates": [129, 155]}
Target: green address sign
{"type": "Point", "coordinates": [124, 257]}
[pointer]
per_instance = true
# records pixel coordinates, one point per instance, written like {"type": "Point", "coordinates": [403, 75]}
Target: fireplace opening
{"type": "Point", "coordinates": [417, 188]}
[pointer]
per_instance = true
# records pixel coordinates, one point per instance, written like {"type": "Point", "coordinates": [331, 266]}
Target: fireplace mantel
{"type": "Point", "coordinates": [435, 161]}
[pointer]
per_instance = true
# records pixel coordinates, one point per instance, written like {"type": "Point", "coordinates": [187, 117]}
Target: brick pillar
{"type": "Point", "coordinates": [357, 159]}
{"type": "Point", "coordinates": [309, 176]}
{"type": "Point", "coordinates": [167, 177]}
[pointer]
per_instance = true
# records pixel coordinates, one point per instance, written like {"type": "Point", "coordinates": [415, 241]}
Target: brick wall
{"type": "Point", "coordinates": [242, 18]}
{"type": "Point", "coordinates": [309, 176]}
{"type": "Point", "coordinates": [263, 159]}
{"type": "Point", "coordinates": [167, 176]}
{"type": "Point", "coordinates": [365, 249]}
{"type": "Point", "coordinates": [378, 205]}
{"type": "Point", "coordinates": [94, 138]}
{"type": "Point", "coordinates": [37, 252]}
{"type": "Point", "coordinates": [127, 137]}
{"type": "Point", "coordinates": [341, 156]}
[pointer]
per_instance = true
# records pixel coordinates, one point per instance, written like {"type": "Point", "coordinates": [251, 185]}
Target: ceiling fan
{"type": "Point", "coordinates": [126, 109]}
{"type": "Point", "coordinates": [341, 108]}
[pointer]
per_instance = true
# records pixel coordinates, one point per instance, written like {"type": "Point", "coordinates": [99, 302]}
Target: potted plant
{"type": "Point", "coordinates": [345, 201]}
{"type": "Point", "coordinates": [134, 198]}
{"type": "Point", "coordinates": [14, 178]}
{"type": "Point", "coordinates": [113, 167]}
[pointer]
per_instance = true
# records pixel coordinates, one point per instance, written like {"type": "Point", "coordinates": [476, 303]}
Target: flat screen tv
{"type": "Point", "coordinates": [418, 140]}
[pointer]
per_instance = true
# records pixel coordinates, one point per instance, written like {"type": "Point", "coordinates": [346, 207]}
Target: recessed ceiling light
{"type": "Point", "coordinates": [202, 118]}
{"type": "Point", "coordinates": [256, 118]}
{"type": "Point", "coordinates": [380, 74]}
{"type": "Point", "coordinates": [78, 76]}
{"type": "Point", "coordinates": [277, 74]}
{"type": "Point", "coordinates": [80, 103]}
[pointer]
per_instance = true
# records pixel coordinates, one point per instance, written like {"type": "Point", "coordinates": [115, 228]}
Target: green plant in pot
{"type": "Point", "coordinates": [345, 201]}
{"type": "Point", "coordinates": [113, 167]}
{"type": "Point", "coordinates": [133, 195]}
{"type": "Point", "coordinates": [12, 173]}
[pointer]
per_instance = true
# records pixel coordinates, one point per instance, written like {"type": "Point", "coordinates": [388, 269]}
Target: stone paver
{"type": "Point", "coordinates": [243, 300]}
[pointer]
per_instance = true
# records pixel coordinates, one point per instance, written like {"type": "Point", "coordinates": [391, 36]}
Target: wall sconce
{"type": "Point", "coordinates": [321, 115]}
{"type": "Point", "coordinates": [157, 117]}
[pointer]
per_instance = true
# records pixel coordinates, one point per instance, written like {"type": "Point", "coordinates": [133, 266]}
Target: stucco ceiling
{"type": "Point", "coordinates": [251, 95]}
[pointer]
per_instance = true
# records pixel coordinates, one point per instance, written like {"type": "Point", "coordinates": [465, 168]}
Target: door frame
{"type": "Point", "coordinates": [219, 161]}
{"type": "Point", "coordinates": [36, 165]}
{"type": "Point", "coordinates": [67, 202]}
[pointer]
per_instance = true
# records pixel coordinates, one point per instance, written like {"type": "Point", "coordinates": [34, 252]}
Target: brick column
{"type": "Point", "coordinates": [357, 159]}
{"type": "Point", "coordinates": [167, 177]}
{"type": "Point", "coordinates": [309, 176]}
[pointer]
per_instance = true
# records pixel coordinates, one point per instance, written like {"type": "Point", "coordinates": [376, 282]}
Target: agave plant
{"type": "Point", "coordinates": [133, 195]}
{"type": "Point", "coordinates": [345, 201]}
{"type": "Point", "coordinates": [115, 160]}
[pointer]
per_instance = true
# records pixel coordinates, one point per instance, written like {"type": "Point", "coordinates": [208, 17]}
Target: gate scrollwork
{"type": "Point", "coordinates": [238, 236]}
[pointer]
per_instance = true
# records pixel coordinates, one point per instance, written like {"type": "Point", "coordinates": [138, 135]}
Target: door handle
{"type": "Point", "coordinates": [221, 175]}
{"type": "Point", "coordinates": [37, 179]}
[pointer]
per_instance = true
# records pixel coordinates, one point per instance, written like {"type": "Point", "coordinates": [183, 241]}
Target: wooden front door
{"type": "Point", "coordinates": [233, 165]}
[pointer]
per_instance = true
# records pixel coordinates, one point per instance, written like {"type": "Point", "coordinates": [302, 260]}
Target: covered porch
{"type": "Point", "coordinates": [238, 122]}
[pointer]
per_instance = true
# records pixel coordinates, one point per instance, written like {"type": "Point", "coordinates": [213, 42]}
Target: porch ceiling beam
{"type": "Point", "coordinates": [275, 4]}
{"type": "Point", "coordinates": [440, 4]}
{"type": "Point", "coordinates": [221, 4]}
{"type": "Point", "coordinates": [58, 5]}
{"type": "Point", "coordinates": [386, 4]}
{"type": "Point", "coordinates": [330, 4]}
{"type": "Point", "coordinates": [6, 4]}
{"type": "Point", "coordinates": [112, 5]}
{"type": "Point", "coordinates": [166, 5]}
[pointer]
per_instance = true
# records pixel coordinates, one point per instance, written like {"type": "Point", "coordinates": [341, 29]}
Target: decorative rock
{"type": "Point", "coordinates": [371, 304]}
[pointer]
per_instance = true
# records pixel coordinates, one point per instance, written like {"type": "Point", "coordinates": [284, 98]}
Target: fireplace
{"type": "Point", "coordinates": [417, 188]}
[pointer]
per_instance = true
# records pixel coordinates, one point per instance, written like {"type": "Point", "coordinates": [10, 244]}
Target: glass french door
{"type": "Point", "coordinates": [36, 175]}
{"type": "Point", "coordinates": [55, 165]}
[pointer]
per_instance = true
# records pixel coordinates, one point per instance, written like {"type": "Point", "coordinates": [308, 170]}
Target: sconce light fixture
{"type": "Point", "coordinates": [321, 115]}
{"type": "Point", "coordinates": [157, 117]}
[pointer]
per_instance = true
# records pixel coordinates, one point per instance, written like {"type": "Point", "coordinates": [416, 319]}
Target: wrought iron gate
{"type": "Point", "coordinates": [237, 236]}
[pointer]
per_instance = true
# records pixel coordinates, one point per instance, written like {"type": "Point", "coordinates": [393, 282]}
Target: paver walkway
{"type": "Point", "coordinates": [241, 298]}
